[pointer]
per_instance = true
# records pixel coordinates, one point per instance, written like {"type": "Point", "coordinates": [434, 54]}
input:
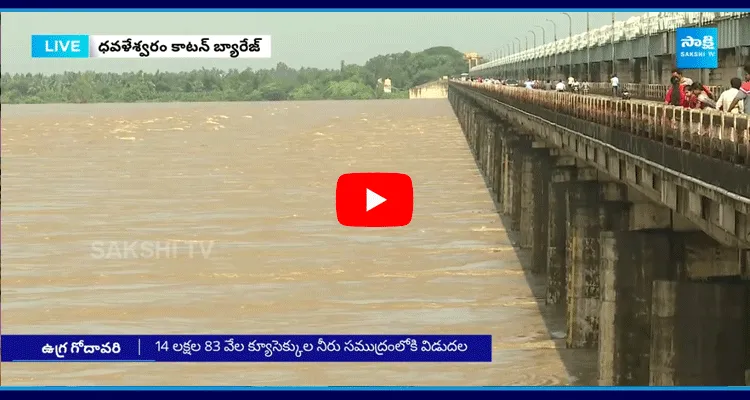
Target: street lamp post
{"type": "Point", "coordinates": [533, 72]}
{"type": "Point", "coordinates": [519, 45]}
{"type": "Point", "coordinates": [500, 54]}
{"type": "Point", "coordinates": [648, 52]}
{"type": "Point", "coordinates": [570, 37]}
{"type": "Point", "coordinates": [614, 61]}
{"type": "Point", "coordinates": [703, 73]}
{"type": "Point", "coordinates": [505, 65]}
{"type": "Point", "coordinates": [544, 33]}
{"type": "Point", "coordinates": [544, 56]}
{"type": "Point", "coordinates": [554, 38]}
{"type": "Point", "coordinates": [497, 57]}
{"type": "Point", "coordinates": [588, 48]}
{"type": "Point", "coordinates": [526, 59]}
{"type": "Point", "coordinates": [500, 67]}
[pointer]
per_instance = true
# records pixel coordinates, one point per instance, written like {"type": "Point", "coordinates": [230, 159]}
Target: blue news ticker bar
{"type": "Point", "coordinates": [59, 46]}
{"type": "Point", "coordinates": [370, 393]}
{"type": "Point", "coordinates": [246, 348]}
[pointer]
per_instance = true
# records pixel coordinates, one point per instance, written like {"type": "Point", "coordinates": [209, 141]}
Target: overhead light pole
{"type": "Point", "coordinates": [570, 42]}
{"type": "Point", "coordinates": [554, 38]}
{"type": "Point", "coordinates": [588, 48]}
{"type": "Point", "coordinates": [614, 57]}
{"type": "Point", "coordinates": [519, 46]}
{"type": "Point", "coordinates": [531, 61]}
{"type": "Point", "coordinates": [544, 56]}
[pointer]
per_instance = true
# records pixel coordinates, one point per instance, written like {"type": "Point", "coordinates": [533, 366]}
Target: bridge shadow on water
{"type": "Point", "coordinates": [581, 364]}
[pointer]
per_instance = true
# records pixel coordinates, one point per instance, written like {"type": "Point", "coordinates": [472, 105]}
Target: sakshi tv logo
{"type": "Point", "coordinates": [697, 48]}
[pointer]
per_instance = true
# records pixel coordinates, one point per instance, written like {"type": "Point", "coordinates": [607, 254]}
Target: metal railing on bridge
{"type": "Point", "coordinates": [709, 132]}
{"type": "Point", "coordinates": [643, 91]}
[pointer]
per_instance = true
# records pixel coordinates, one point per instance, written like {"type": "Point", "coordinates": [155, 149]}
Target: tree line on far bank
{"type": "Point", "coordinates": [280, 83]}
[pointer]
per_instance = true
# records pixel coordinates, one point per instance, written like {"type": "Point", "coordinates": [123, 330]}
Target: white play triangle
{"type": "Point", "coordinates": [373, 200]}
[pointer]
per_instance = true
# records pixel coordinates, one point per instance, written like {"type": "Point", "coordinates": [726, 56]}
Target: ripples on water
{"type": "Point", "coordinates": [257, 180]}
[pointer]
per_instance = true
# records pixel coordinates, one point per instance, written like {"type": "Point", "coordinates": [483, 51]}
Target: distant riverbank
{"type": "Point", "coordinates": [350, 82]}
{"type": "Point", "coordinates": [196, 86]}
{"type": "Point", "coordinates": [188, 98]}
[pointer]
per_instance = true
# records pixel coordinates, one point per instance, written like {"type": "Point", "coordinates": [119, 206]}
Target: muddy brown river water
{"type": "Point", "coordinates": [250, 188]}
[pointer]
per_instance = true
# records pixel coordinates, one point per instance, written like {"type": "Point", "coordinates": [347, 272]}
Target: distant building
{"type": "Point", "coordinates": [387, 85]}
{"type": "Point", "coordinates": [473, 59]}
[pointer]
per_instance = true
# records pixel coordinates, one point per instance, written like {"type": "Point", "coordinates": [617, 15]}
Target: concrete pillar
{"type": "Point", "coordinates": [470, 128]}
{"type": "Point", "coordinates": [558, 220]}
{"type": "Point", "coordinates": [497, 172]}
{"type": "Point", "coordinates": [487, 149]}
{"type": "Point", "coordinates": [516, 162]}
{"type": "Point", "coordinates": [705, 76]}
{"type": "Point", "coordinates": [491, 160]}
{"type": "Point", "coordinates": [698, 334]}
{"type": "Point", "coordinates": [474, 131]}
{"type": "Point", "coordinates": [534, 204]}
{"type": "Point", "coordinates": [653, 70]}
{"type": "Point", "coordinates": [630, 260]}
{"type": "Point", "coordinates": [526, 205]}
{"type": "Point", "coordinates": [483, 144]}
{"type": "Point", "coordinates": [605, 71]}
{"type": "Point", "coordinates": [478, 138]}
{"type": "Point", "coordinates": [593, 207]}
{"type": "Point", "coordinates": [504, 178]}
{"type": "Point", "coordinates": [540, 210]}
{"type": "Point", "coordinates": [507, 177]}
{"type": "Point", "coordinates": [630, 65]}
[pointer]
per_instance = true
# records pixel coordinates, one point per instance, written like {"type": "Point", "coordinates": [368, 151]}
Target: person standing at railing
{"type": "Point", "coordinates": [726, 98]}
{"type": "Point", "coordinates": [743, 93]}
{"type": "Point", "coordinates": [698, 97]}
{"type": "Point", "coordinates": [676, 95]}
{"type": "Point", "coordinates": [684, 81]}
{"type": "Point", "coordinates": [615, 81]}
{"type": "Point", "coordinates": [576, 86]}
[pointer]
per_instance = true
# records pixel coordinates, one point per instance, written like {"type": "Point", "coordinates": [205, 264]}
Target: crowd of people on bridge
{"type": "Point", "coordinates": [573, 84]}
{"type": "Point", "coordinates": [686, 93]}
{"type": "Point", "coordinates": [683, 91]}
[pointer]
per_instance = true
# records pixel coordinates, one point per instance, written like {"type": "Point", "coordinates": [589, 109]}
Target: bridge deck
{"type": "Point", "coordinates": [711, 133]}
{"type": "Point", "coordinates": [696, 163]}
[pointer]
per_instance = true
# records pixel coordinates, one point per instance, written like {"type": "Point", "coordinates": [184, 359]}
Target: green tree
{"type": "Point", "coordinates": [280, 83]}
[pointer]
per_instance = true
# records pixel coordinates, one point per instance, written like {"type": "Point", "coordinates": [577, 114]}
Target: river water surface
{"type": "Point", "coordinates": [249, 187]}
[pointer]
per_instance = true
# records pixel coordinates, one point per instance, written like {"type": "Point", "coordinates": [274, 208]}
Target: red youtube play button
{"type": "Point", "coordinates": [374, 199]}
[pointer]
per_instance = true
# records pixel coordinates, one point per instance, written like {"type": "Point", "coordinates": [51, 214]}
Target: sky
{"type": "Point", "coordinates": [299, 39]}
